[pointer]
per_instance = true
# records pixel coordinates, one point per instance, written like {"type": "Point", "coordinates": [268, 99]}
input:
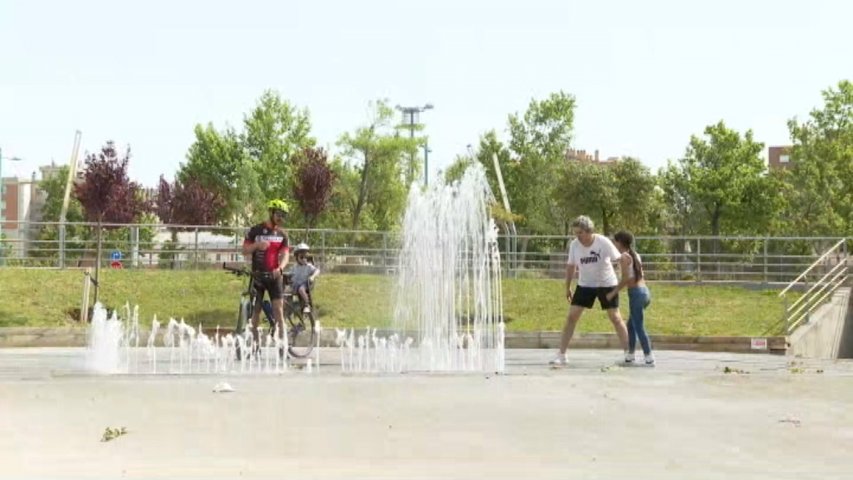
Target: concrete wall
{"type": "Point", "coordinates": [845, 350]}
{"type": "Point", "coordinates": [822, 336]}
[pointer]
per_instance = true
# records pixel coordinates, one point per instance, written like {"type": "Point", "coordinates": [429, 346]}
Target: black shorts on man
{"type": "Point", "coordinates": [585, 297]}
{"type": "Point", "coordinates": [264, 282]}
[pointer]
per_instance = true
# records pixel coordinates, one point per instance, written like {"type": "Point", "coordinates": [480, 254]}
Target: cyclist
{"type": "Point", "coordinates": [267, 244]}
{"type": "Point", "coordinates": [303, 275]}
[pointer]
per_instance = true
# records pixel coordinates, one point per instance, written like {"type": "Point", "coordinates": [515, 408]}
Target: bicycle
{"type": "Point", "coordinates": [301, 333]}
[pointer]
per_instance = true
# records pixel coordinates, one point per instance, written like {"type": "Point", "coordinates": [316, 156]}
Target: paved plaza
{"type": "Point", "coordinates": [686, 418]}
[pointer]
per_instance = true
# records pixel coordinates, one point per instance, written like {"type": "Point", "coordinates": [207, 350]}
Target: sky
{"type": "Point", "coordinates": [646, 74]}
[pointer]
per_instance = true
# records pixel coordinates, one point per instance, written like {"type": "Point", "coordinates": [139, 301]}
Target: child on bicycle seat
{"type": "Point", "coordinates": [303, 275]}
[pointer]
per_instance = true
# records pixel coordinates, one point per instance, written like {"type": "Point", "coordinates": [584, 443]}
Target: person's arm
{"type": "Point", "coordinates": [284, 254]}
{"type": "Point", "coordinates": [570, 271]}
{"type": "Point", "coordinates": [570, 275]}
{"type": "Point", "coordinates": [625, 267]}
{"type": "Point", "coordinates": [314, 274]}
{"type": "Point", "coordinates": [249, 245]}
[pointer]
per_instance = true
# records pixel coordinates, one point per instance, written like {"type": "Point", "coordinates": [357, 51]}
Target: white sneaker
{"type": "Point", "coordinates": [306, 310]}
{"type": "Point", "coordinates": [650, 359]}
{"type": "Point", "coordinates": [629, 357]}
{"type": "Point", "coordinates": [559, 360]}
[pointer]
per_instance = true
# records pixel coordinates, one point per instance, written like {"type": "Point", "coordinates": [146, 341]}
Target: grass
{"type": "Point", "coordinates": [30, 297]}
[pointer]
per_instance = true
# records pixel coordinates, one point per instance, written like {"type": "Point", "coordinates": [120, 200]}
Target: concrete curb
{"type": "Point", "coordinates": [11, 337]}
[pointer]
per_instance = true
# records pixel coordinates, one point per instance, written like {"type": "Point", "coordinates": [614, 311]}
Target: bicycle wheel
{"type": "Point", "coordinates": [301, 336]}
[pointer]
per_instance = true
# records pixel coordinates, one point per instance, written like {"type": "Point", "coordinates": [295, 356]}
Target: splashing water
{"type": "Point", "coordinates": [449, 282]}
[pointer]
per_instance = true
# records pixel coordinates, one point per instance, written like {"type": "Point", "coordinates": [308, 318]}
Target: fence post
{"type": "Point", "coordinates": [766, 241]}
{"type": "Point", "coordinates": [134, 246]}
{"type": "Point", "coordinates": [698, 260]}
{"type": "Point", "coordinates": [323, 247]}
{"type": "Point", "coordinates": [62, 245]}
{"type": "Point", "coordinates": [384, 252]}
{"type": "Point", "coordinates": [195, 254]}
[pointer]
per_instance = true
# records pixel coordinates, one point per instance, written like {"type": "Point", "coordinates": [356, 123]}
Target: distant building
{"type": "Point", "coordinates": [582, 156]}
{"type": "Point", "coordinates": [779, 157]}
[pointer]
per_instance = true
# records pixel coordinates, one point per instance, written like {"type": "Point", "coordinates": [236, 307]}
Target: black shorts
{"type": "Point", "coordinates": [585, 297]}
{"type": "Point", "coordinates": [266, 283]}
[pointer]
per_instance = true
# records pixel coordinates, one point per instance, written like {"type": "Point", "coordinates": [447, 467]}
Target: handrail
{"type": "Point", "coordinates": [793, 324]}
{"type": "Point", "coordinates": [813, 297]}
{"type": "Point", "coordinates": [814, 264]}
{"type": "Point", "coordinates": [822, 281]}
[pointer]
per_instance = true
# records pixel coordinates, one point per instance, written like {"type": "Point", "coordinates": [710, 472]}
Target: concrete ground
{"type": "Point", "coordinates": [685, 418]}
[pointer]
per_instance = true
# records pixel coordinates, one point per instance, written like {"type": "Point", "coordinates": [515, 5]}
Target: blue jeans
{"type": "Point", "coordinates": [638, 299]}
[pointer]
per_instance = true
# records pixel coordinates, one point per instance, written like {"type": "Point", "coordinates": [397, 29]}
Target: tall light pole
{"type": "Point", "coordinates": [411, 115]}
{"type": "Point", "coordinates": [3, 201]}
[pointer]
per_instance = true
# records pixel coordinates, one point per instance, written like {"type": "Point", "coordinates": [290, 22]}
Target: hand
{"type": "Point", "coordinates": [569, 295]}
{"type": "Point", "coordinates": [262, 245]}
{"type": "Point", "coordinates": [610, 295]}
{"type": "Point", "coordinates": [277, 273]}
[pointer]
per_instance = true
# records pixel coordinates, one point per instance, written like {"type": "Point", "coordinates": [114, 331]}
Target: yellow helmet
{"type": "Point", "coordinates": [278, 204]}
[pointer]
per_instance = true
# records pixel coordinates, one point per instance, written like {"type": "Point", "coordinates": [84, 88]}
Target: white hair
{"type": "Point", "coordinates": [584, 223]}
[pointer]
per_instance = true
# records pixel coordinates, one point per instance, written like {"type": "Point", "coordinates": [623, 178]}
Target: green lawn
{"type": "Point", "coordinates": [51, 297]}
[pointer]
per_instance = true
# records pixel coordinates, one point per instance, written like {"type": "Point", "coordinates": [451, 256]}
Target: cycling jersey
{"type": "Point", "coordinates": [267, 260]}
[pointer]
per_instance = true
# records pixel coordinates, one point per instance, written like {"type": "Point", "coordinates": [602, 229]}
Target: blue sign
{"type": "Point", "coordinates": [116, 255]}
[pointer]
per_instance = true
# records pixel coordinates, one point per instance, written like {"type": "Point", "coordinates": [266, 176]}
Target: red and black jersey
{"type": "Point", "coordinates": [267, 260]}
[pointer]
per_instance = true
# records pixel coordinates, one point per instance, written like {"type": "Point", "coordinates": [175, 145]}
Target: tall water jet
{"type": "Point", "coordinates": [106, 335]}
{"type": "Point", "coordinates": [449, 277]}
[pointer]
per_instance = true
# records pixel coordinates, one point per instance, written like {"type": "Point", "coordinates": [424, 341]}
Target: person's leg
{"type": "Point", "coordinates": [277, 297]}
{"type": "Point", "coordinates": [612, 307]}
{"type": "Point", "coordinates": [575, 312]}
{"type": "Point", "coordinates": [632, 335]}
{"type": "Point", "coordinates": [638, 298]}
{"type": "Point", "coordinates": [256, 312]}
{"type": "Point", "coordinates": [303, 295]}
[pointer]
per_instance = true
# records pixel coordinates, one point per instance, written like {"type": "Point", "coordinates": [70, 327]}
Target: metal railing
{"type": "Point", "coordinates": [830, 271]}
{"type": "Point", "coordinates": [768, 260]}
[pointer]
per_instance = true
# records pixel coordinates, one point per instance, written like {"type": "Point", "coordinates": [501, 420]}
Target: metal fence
{"type": "Point", "coordinates": [688, 259]}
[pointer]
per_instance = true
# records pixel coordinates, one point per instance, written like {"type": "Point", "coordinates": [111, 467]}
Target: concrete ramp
{"type": "Point", "coordinates": [826, 335]}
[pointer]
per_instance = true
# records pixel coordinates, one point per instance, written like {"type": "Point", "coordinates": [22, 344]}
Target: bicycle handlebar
{"type": "Point", "coordinates": [243, 272]}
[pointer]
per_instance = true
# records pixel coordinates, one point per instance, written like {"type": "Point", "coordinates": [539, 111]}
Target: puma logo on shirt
{"type": "Point", "coordinates": [593, 257]}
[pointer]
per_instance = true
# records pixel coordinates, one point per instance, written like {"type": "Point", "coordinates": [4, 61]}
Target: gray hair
{"type": "Point", "coordinates": [584, 223]}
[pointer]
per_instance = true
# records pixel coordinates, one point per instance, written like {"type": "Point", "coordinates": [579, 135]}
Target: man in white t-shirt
{"type": "Point", "coordinates": [592, 256]}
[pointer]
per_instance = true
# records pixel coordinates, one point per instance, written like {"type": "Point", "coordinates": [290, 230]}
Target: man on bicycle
{"type": "Point", "coordinates": [268, 245]}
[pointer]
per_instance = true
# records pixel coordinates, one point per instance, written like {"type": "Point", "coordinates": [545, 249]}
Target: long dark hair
{"type": "Point", "coordinates": [627, 240]}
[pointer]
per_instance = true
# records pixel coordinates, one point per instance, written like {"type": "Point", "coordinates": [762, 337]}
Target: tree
{"type": "Point", "coordinates": [108, 195]}
{"type": "Point", "coordinates": [188, 203]}
{"type": "Point", "coordinates": [377, 153]}
{"type": "Point", "coordinates": [214, 162]}
{"type": "Point", "coordinates": [54, 190]}
{"type": "Point", "coordinates": [720, 183]}
{"type": "Point", "coordinates": [275, 131]}
{"type": "Point", "coordinates": [590, 189]}
{"type": "Point", "coordinates": [539, 141]}
{"type": "Point", "coordinates": [821, 201]}
{"type": "Point", "coordinates": [314, 182]}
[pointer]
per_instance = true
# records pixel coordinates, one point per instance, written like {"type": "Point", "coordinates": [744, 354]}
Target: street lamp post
{"type": "Point", "coordinates": [410, 120]}
{"type": "Point", "coordinates": [3, 202]}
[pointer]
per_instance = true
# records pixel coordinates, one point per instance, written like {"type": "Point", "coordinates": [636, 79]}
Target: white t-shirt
{"type": "Point", "coordinates": [595, 262]}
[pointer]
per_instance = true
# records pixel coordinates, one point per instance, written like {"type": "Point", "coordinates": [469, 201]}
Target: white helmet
{"type": "Point", "coordinates": [301, 247]}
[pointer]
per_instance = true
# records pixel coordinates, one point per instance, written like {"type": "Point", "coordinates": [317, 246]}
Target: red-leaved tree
{"type": "Point", "coordinates": [313, 184]}
{"type": "Point", "coordinates": [108, 195]}
{"type": "Point", "coordinates": [188, 203]}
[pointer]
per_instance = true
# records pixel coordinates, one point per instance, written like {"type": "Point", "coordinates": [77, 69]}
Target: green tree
{"type": "Point", "coordinates": [215, 160]}
{"type": "Point", "coordinates": [721, 184]}
{"type": "Point", "coordinates": [821, 179]}
{"type": "Point", "coordinates": [539, 140]}
{"type": "Point", "coordinates": [275, 131]}
{"type": "Point", "coordinates": [378, 154]}
{"type": "Point", "coordinates": [54, 190]}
